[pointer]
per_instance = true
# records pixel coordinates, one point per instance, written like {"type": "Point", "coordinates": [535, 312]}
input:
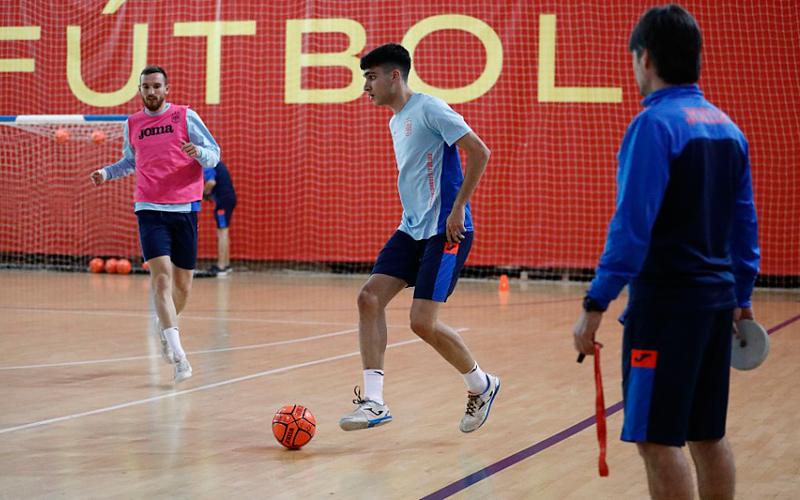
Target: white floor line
{"type": "Point", "coordinates": [186, 317]}
{"type": "Point", "coordinates": [42, 423]}
{"type": "Point", "coordinates": [191, 317]}
{"type": "Point", "coordinates": [207, 351]}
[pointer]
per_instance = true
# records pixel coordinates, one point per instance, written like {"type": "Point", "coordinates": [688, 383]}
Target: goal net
{"type": "Point", "coordinates": [53, 215]}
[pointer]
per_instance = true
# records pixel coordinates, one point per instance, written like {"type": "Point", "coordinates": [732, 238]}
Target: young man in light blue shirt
{"type": "Point", "coordinates": [432, 242]}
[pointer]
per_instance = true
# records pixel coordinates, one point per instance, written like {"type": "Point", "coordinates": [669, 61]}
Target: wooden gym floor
{"type": "Point", "coordinates": [88, 408]}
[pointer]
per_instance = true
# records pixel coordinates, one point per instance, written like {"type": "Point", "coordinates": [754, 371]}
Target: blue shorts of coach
{"type": "Point", "coordinates": [675, 375]}
{"type": "Point", "coordinates": [431, 266]}
{"type": "Point", "coordinates": [169, 233]}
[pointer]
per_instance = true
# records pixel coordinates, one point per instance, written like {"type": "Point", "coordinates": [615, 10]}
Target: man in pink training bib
{"type": "Point", "coordinates": [166, 146]}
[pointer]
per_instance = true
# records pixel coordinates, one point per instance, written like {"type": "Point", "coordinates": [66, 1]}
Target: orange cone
{"type": "Point", "coordinates": [503, 287]}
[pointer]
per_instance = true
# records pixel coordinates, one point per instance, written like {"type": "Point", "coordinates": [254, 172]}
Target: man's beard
{"type": "Point", "coordinates": [153, 104]}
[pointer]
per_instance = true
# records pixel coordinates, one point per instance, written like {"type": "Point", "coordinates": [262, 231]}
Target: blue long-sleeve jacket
{"type": "Point", "coordinates": [684, 233]}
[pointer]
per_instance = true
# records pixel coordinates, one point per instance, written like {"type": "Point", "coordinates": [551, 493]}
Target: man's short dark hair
{"type": "Point", "coordinates": [392, 55]}
{"type": "Point", "coordinates": [151, 69]}
{"type": "Point", "coordinates": [672, 37]}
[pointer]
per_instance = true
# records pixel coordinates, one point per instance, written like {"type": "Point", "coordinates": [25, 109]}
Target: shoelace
{"type": "Point", "coordinates": [358, 401]}
{"type": "Point", "coordinates": [472, 404]}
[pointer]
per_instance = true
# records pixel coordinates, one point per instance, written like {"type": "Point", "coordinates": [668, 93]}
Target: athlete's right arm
{"type": "Point", "coordinates": [642, 178]}
{"type": "Point", "coordinates": [123, 168]}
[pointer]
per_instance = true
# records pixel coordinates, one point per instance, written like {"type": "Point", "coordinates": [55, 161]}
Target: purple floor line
{"type": "Point", "coordinates": [781, 325]}
{"type": "Point", "coordinates": [461, 484]}
{"type": "Point", "coordinates": [473, 478]}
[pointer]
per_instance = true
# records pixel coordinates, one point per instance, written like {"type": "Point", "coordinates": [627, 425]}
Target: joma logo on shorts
{"type": "Point", "coordinates": [643, 358]}
{"type": "Point", "coordinates": [147, 132]}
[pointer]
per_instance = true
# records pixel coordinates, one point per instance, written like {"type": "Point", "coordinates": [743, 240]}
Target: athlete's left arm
{"type": "Point", "coordinates": [206, 148]}
{"type": "Point", "coordinates": [477, 158]}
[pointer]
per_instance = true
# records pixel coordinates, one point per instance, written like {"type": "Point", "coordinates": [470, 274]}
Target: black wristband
{"type": "Point", "coordinates": [591, 305]}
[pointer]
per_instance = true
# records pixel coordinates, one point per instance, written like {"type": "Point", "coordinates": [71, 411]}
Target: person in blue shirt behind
{"type": "Point", "coordinates": [684, 239]}
{"type": "Point", "coordinates": [432, 242]}
{"type": "Point", "coordinates": [219, 189]}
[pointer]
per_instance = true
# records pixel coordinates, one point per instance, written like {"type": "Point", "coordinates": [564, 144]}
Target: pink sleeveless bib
{"type": "Point", "coordinates": [164, 173]}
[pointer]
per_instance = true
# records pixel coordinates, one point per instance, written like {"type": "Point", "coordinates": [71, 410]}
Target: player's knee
{"type": "Point", "coordinates": [423, 327]}
{"type": "Point", "coordinates": [162, 284]}
{"type": "Point", "coordinates": [648, 448]}
{"type": "Point", "coordinates": [183, 286]}
{"type": "Point", "coordinates": [714, 449]}
{"type": "Point", "coordinates": [656, 452]}
{"type": "Point", "coordinates": [368, 301]}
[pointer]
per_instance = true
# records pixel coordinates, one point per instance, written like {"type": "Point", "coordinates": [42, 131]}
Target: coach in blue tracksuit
{"type": "Point", "coordinates": [684, 239]}
{"type": "Point", "coordinates": [219, 189]}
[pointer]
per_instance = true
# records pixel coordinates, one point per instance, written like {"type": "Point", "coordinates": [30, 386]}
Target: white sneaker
{"type": "Point", "coordinates": [367, 414]}
{"type": "Point", "coordinates": [478, 405]}
{"type": "Point", "coordinates": [166, 350]}
{"type": "Point", "coordinates": [183, 369]}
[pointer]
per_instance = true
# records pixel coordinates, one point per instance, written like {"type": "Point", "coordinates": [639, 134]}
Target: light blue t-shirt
{"type": "Point", "coordinates": [424, 134]}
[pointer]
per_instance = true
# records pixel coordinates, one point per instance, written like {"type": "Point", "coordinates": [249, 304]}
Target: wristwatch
{"type": "Point", "coordinates": [589, 305]}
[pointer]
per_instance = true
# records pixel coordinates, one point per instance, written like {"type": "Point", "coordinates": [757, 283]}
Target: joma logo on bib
{"type": "Point", "coordinates": [147, 132]}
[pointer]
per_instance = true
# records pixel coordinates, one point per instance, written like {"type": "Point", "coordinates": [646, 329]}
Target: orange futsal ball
{"type": "Point", "coordinates": [96, 265]}
{"type": "Point", "coordinates": [98, 136]}
{"type": "Point", "coordinates": [294, 426]}
{"type": "Point", "coordinates": [145, 266]}
{"type": "Point", "coordinates": [62, 135]}
{"type": "Point", "coordinates": [123, 266]}
{"type": "Point", "coordinates": [111, 266]}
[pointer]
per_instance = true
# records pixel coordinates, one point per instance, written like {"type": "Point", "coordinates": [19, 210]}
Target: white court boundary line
{"type": "Point", "coordinates": [184, 317]}
{"type": "Point", "coordinates": [206, 351]}
{"type": "Point", "coordinates": [42, 423]}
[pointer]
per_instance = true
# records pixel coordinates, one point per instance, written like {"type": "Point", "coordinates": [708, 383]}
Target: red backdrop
{"type": "Point", "coordinates": [316, 182]}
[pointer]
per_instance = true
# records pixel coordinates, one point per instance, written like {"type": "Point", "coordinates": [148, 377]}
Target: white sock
{"type": "Point", "coordinates": [476, 380]}
{"type": "Point", "coordinates": [174, 341]}
{"type": "Point", "coordinates": [373, 385]}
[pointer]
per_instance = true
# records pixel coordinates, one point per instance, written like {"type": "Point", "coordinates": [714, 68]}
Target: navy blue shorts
{"type": "Point", "coordinates": [675, 375]}
{"type": "Point", "coordinates": [431, 266]}
{"type": "Point", "coordinates": [169, 233]}
{"type": "Point", "coordinates": [223, 215]}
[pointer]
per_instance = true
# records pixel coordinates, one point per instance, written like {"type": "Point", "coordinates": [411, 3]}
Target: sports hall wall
{"type": "Point", "coordinates": [548, 85]}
